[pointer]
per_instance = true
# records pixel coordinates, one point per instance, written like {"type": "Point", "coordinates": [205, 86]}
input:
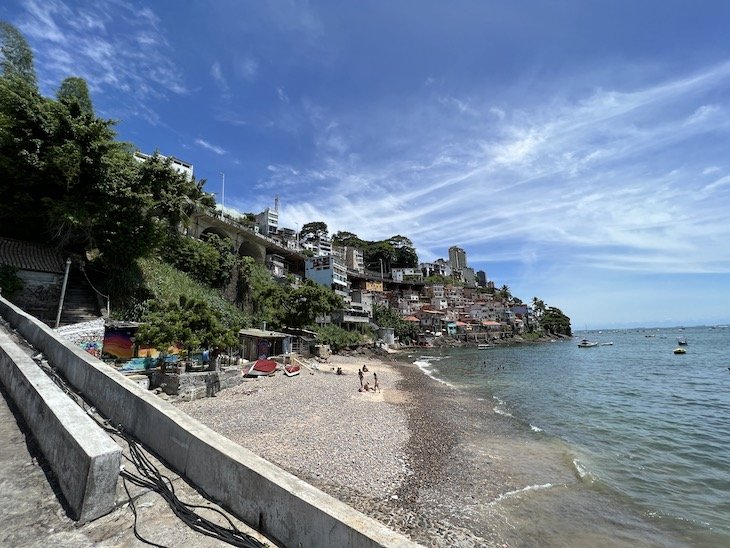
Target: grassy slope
{"type": "Point", "coordinates": [167, 284]}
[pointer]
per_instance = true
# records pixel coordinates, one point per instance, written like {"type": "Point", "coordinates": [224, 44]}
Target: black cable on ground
{"type": "Point", "coordinates": [149, 477]}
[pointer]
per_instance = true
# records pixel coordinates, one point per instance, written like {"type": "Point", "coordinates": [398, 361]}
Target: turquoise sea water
{"type": "Point", "coordinates": [647, 429]}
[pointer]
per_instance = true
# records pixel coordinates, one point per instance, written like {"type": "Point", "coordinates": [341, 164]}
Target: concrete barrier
{"type": "Point", "coordinates": [84, 459]}
{"type": "Point", "coordinates": [276, 503]}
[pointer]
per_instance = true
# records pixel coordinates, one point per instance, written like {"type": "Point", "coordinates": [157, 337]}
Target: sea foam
{"type": "Point", "coordinates": [517, 492]}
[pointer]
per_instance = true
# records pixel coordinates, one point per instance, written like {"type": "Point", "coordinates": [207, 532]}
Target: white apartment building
{"type": "Point", "coordinates": [178, 165]}
{"type": "Point", "coordinates": [321, 247]}
{"type": "Point", "coordinates": [406, 274]}
{"type": "Point", "coordinates": [328, 271]}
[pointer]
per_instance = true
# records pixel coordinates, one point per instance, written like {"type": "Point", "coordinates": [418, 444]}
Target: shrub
{"type": "Point", "coordinates": [337, 337]}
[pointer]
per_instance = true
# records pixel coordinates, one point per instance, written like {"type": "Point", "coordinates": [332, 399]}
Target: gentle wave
{"type": "Point", "coordinates": [425, 366]}
{"type": "Point", "coordinates": [582, 472]}
{"type": "Point", "coordinates": [516, 492]}
{"type": "Point", "coordinates": [499, 408]}
{"type": "Point", "coordinates": [536, 428]}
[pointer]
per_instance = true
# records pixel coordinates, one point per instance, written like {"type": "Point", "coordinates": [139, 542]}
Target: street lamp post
{"type": "Point", "coordinates": [381, 269]}
{"type": "Point", "coordinates": [223, 190]}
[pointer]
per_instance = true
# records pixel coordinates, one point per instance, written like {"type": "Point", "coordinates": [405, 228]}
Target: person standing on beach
{"type": "Point", "coordinates": [376, 386]}
{"type": "Point", "coordinates": [359, 374]}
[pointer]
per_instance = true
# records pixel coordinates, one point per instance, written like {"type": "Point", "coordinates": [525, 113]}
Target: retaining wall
{"type": "Point", "coordinates": [84, 459]}
{"type": "Point", "coordinates": [278, 504]}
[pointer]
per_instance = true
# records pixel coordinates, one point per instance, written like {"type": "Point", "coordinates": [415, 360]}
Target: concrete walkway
{"type": "Point", "coordinates": [32, 514]}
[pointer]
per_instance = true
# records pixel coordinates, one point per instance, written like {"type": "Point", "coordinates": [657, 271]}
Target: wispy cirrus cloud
{"type": "Point", "coordinates": [216, 71]}
{"type": "Point", "coordinates": [211, 147]}
{"type": "Point", "coordinates": [71, 39]}
{"type": "Point", "coordinates": [596, 181]}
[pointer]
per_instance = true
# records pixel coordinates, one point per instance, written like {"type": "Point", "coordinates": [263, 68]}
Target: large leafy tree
{"type": "Point", "coordinates": [190, 323]}
{"type": "Point", "coordinates": [554, 321]}
{"type": "Point", "coordinates": [313, 231]}
{"type": "Point", "coordinates": [16, 57]}
{"type": "Point", "coordinates": [74, 93]}
{"type": "Point", "coordinates": [404, 253]}
{"type": "Point", "coordinates": [349, 239]}
{"type": "Point", "coordinates": [300, 306]}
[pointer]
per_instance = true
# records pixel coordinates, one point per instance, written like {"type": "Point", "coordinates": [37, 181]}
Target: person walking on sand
{"type": "Point", "coordinates": [359, 374]}
{"type": "Point", "coordinates": [376, 386]}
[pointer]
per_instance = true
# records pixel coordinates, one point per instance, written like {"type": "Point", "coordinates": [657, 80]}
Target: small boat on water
{"type": "Point", "coordinates": [609, 343]}
{"type": "Point", "coordinates": [292, 369]}
{"type": "Point", "coordinates": [484, 346]}
{"type": "Point", "coordinates": [682, 341]}
{"type": "Point", "coordinates": [585, 343]}
{"type": "Point", "coordinates": [680, 350]}
{"type": "Point", "coordinates": [262, 368]}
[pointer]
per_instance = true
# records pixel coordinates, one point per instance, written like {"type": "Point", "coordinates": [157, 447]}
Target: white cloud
{"type": "Point", "coordinates": [77, 40]}
{"type": "Point", "coordinates": [208, 146]}
{"type": "Point", "coordinates": [597, 180]}
{"type": "Point", "coordinates": [247, 67]}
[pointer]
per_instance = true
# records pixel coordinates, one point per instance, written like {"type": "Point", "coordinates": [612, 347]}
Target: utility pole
{"type": "Point", "coordinates": [63, 292]}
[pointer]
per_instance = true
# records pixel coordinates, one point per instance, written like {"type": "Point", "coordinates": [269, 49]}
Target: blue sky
{"type": "Point", "coordinates": [577, 150]}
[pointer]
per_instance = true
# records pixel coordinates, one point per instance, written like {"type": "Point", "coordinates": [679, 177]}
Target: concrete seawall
{"type": "Point", "coordinates": [84, 459]}
{"type": "Point", "coordinates": [278, 504]}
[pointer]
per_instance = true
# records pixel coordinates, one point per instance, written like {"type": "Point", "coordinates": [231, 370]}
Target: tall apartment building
{"type": "Point", "coordinates": [457, 258]}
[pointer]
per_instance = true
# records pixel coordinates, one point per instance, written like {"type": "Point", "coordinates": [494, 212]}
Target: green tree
{"type": "Point", "coordinates": [16, 57]}
{"type": "Point", "coordinates": [74, 93]}
{"type": "Point", "coordinates": [538, 305]}
{"type": "Point", "coordinates": [554, 321]}
{"type": "Point", "coordinates": [301, 305]}
{"type": "Point", "coordinates": [404, 254]}
{"type": "Point", "coordinates": [348, 239]}
{"type": "Point", "coordinates": [384, 316]}
{"type": "Point", "coordinates": [338, 338]}
{"type": "Point", "coordinates": [313, 231]}
{"type": "Point", "coordinates": [190, 323]}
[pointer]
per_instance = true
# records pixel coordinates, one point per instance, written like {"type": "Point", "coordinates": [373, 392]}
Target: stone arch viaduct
{"type": "Point", "coordinates": [246, 242]}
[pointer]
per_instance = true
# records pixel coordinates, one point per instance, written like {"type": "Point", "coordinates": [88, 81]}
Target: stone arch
{"type": "Point", "coordinates": [214, 230]}
{"type": "Point", "coordinates": [252, 249]}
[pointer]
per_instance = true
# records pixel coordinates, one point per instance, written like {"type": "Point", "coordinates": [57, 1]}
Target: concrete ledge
{"type": "Point", "coordinates": [83, 457]}
{"type": "Point", "coordinates": [278, 504]}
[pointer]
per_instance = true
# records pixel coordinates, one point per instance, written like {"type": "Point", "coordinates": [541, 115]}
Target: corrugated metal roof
{"type": "Point", "coordinates": [31, 256]}
{"type": "Point", "coordinates": [264, 334]}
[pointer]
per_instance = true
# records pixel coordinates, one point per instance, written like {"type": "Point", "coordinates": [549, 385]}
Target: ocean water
{"type": "Point", "coordinates": [646, 432]}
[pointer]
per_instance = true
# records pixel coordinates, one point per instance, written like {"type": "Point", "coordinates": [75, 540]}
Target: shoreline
{"type": "Point", "coordinates": [389, 454]}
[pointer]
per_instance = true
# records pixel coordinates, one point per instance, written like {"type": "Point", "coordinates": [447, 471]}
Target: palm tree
{"type": "Point", "coordinates": [539, 306]}
{"type": "Point", "coordinates": [505, 292]}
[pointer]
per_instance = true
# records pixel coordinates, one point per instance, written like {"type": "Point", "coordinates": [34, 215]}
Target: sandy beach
{"type": "Point", "coordinates": [396, 455]}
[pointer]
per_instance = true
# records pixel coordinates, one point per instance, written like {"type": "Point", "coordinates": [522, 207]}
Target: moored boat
{"type": "Point", "coordinates": [262, 368]}
{"type": "Point", "coordinates": [585, 343]}
{"type": "Point", "coordinates": [682, 341]}
{"type": "Point", "coordinates": [484, 346]}
{"type": "Point", "coordinates": [680, 350]}
{"type": "Point", "coordinates": [292, 369]}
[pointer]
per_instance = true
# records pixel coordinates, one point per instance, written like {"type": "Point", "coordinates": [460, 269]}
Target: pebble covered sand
{"type": "Point", "coordinates": [387, 454]}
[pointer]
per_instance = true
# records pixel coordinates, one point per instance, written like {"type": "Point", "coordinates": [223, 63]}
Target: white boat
{"type": "Point", "coordinates": [484, 346]}
{"type": "Point", "coordinates": [585, 343]}
{"type": "Point", "coordinates": [609, 343]}
{"type": "Point", "coordinates": [680, 350]}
